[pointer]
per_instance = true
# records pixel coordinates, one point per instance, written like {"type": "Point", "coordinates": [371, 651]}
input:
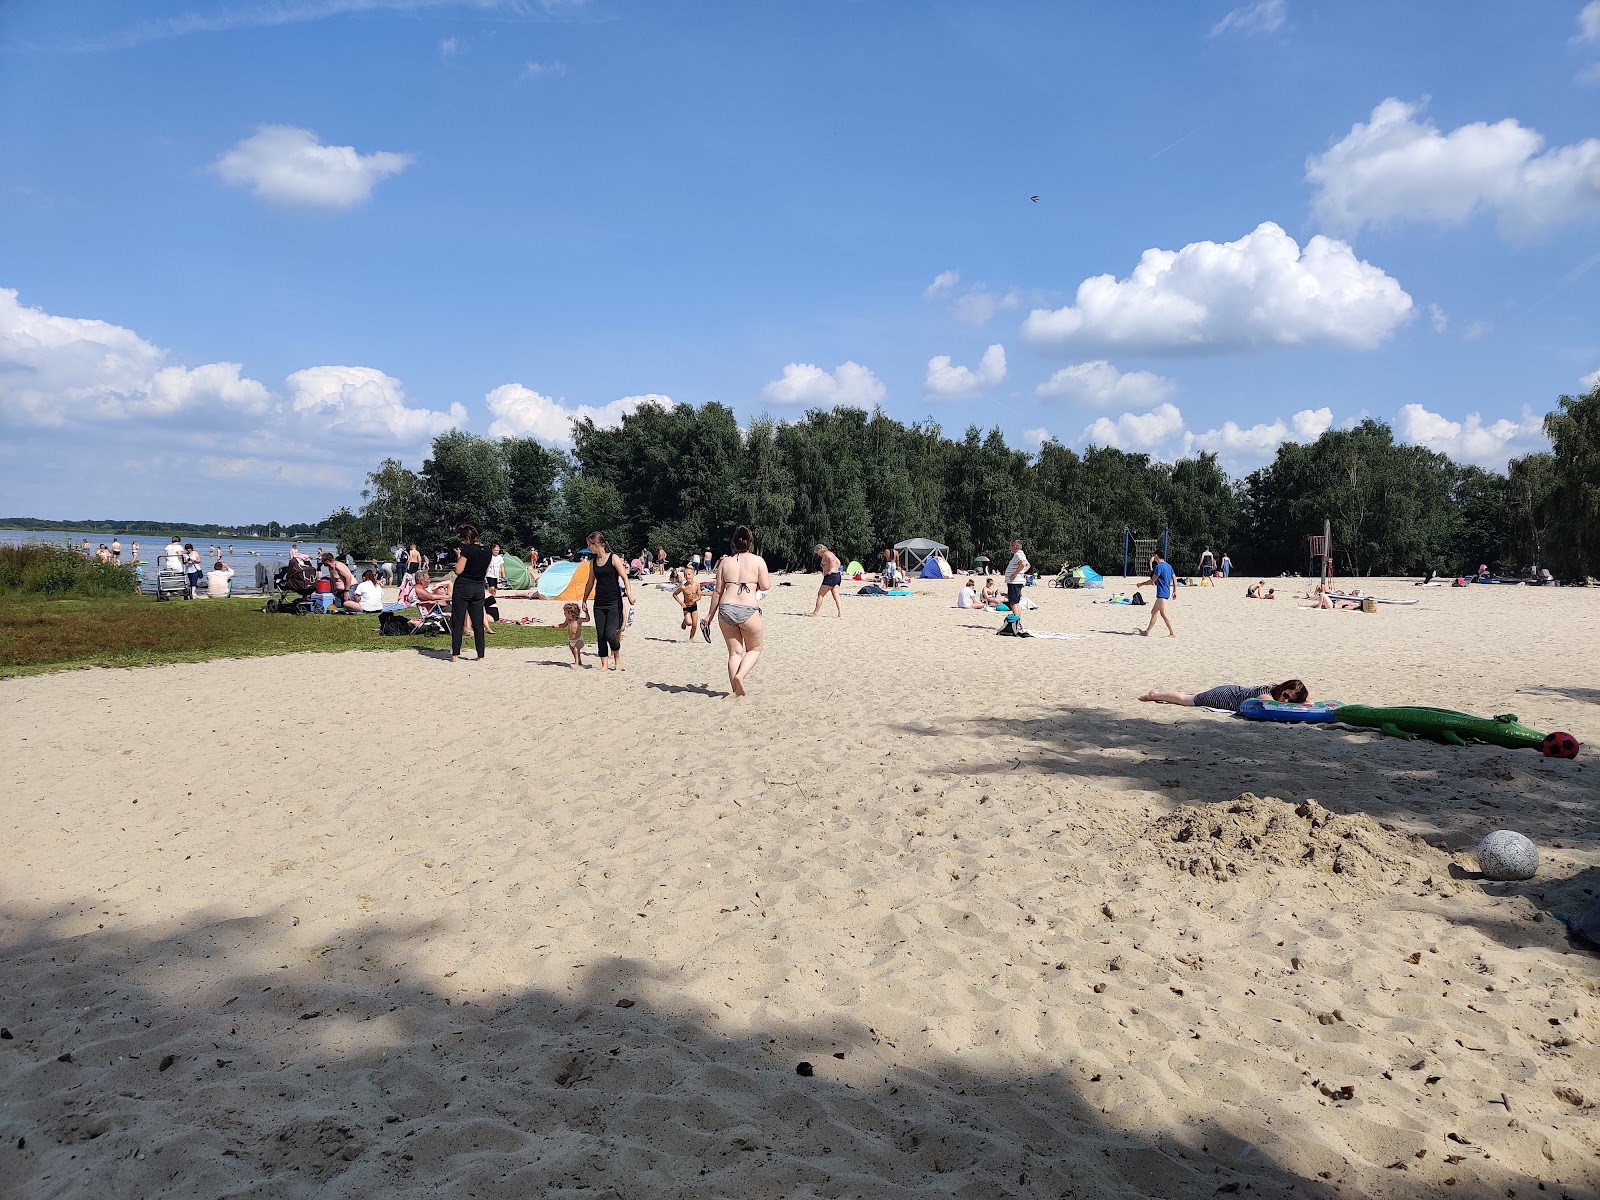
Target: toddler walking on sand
{"type": "Point", "coordinates": [572, 622]}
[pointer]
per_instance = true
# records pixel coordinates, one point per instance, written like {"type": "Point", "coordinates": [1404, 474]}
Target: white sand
{"type": "Point", "coordinates": [940, 866]}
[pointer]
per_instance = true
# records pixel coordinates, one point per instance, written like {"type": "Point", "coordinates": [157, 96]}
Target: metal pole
{"type": "Point", "coordinates": [1327, 549]}
{"type": "Point", "coordinates": [1125, 551]}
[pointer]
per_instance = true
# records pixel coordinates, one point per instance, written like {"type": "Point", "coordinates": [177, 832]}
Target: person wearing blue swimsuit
{"type": "Point", "coordinates": [1161, 578]}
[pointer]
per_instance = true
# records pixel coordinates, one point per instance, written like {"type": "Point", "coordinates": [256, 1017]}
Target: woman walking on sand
{"type": "Point", "coordinates": [608, 584]}
{"type": "Point", "coordinates": [830, 579]}
{"type": "Point", "coordinates": [742, 579]}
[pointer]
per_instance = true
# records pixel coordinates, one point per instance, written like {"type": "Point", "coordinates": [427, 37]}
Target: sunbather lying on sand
{"type": "Point", "coordinates": [1231, 695]}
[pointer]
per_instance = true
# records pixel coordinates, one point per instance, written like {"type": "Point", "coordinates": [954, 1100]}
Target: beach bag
{"type": "Point", "coordinates": [393, 624]}
{"type": "Point", "coordinates": [1138, 598]}
{"type": "Point", "coordinates": [433, 625]}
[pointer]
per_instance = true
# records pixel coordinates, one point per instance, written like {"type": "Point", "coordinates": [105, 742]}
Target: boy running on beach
{"type": "Point", "coordinates": [1161, 577]}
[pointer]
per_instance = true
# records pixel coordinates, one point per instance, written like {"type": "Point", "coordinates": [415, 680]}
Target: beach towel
{"type": "Point", "coordinates": [1059, 637]}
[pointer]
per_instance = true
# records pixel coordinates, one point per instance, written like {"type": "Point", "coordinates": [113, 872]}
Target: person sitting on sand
{"type": "Point", "coordinates": [991, 595]}
{"type": "Point", "coordinates": [967, 597]}
{"type": "Point", "coordinates": [1231, 695]}
{"type": "Point", "coordinates": [1260, 591]}
{"type": "Point", "coordinates": [1322, 599]}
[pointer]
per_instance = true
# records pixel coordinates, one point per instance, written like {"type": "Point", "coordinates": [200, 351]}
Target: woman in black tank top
{"type": "Point", "coordinates": [468, 591]}
{"type": "Point", "coordinates": [608, 584]}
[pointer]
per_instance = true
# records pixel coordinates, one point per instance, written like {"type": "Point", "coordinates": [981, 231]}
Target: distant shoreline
{"type": "Point", "coordinates": [149, 529]}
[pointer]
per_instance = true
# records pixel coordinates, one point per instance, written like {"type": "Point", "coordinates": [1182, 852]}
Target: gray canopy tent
{"type": "Point", "coordinates": [917, 549]}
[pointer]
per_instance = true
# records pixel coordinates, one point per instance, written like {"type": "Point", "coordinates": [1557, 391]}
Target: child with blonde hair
{"type": "Point", "coordinates": [572, 622]}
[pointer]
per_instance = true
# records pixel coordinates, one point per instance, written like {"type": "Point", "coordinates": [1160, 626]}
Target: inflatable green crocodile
{"type": "Point", "coordinates": [1444, 725]}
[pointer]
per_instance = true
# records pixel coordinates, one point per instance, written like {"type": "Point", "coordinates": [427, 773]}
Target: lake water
{"type": "Point", "coordinates": [242, 554]}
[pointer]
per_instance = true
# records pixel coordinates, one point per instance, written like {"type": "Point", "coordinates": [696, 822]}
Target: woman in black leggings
{"type": "Point", "coordinates": [608, 584]}
{"type": "Point", "coordinates": [466, 596]}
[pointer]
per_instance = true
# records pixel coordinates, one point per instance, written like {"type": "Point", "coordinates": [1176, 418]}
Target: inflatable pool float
{"type": "Point", "coordinates": [1444, 725]}
{"type": "Point", "coordinates": [1318, 712]}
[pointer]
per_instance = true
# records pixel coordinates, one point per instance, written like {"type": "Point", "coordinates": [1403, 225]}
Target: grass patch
{"type": "Point", "coordinates": [37, 635]}
{"type": "Point", "coordinates": [45, 569]}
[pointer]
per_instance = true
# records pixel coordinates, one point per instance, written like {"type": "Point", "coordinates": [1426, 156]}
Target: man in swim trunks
{"type": "Point", "coordinates": [831, 578]}
{"type": "Point", "coordinates": [688, 596]}
{"type": "Point", "coordinates": [1161, 577]}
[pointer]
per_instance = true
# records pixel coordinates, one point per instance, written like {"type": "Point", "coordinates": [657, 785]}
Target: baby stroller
{"type": "Point", "coordinates": [297, 580]}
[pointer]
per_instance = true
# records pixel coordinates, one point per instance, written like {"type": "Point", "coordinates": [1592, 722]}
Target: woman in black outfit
{"type": "Point", "coordinates": [608, 584]}
{"type": "Point", "coordinates": [466, 597]}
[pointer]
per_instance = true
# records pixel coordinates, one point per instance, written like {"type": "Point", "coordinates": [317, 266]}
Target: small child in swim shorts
{"type": "Point", "coordinates": [572, 622]}
{"type": "Point", "coordinates": [1230, 696]}
{"type": "Point", "coordinates": [688, 595]}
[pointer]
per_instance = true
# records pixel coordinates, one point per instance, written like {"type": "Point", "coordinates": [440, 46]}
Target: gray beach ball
{"type": "Point", "coordinates": [1505, 854]}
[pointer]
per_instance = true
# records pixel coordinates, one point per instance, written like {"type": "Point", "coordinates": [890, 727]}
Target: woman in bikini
{"type": "Point", "coordinates": [688, 596]}
{"type": "Point", "coordinates": [742, 578]}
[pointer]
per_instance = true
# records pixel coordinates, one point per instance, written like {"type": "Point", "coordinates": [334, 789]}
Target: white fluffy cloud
{"type": "Point", "coordinates": [1590, 381]}
{"type": "Point", "coordinates": [1260, 442]}
{"type": "Point", "coordinates": [290, 167]}
{"type": "Point", "coordinates": [943, 282]}
{"type": "Point", "coordinates": [363, 402]}
{"type": "Point", "coordinates": [1397, 168]}
{"type": "Point", "coordinates": [849, 384]}
{"type": "Point", "coordinates": [1263, 16]}
{"type": "Point", "coordinates": [125, 408]}
{"type": "Point", "coordinates": [946, 382]}
{"type": "Point", "coordinates": [522, 412]}
{"type": "Point", "coordinates": [1148, 432]}
{"type": "Point", "coordinates": [1161, 431]}
{"type": "Point", "coordinates": [59, 370]}
{"type": "Point", "coordinates": [1036, 438]}
{"type": "Point", "coordinates": [1101, 385]}
{"type": "Point", "coordinates": [1259, 291]}
{"type": "Point", "coordinates": [1440, 318]}
{"type": "Point", "coordinates": [1470, 440]}
{"type": "Point", "coordinates": [1589, 22]}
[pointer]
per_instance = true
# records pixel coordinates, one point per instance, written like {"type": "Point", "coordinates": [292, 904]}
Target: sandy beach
{"type": "Point", "coordinates": [346, 925]}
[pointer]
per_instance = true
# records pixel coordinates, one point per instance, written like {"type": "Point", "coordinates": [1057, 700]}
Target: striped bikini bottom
{"type": "Point", "coordinates": [737, 614]}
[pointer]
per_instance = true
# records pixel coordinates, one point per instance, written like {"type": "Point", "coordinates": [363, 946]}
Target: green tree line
{"type": "Point", "coordinates": [683, 477]}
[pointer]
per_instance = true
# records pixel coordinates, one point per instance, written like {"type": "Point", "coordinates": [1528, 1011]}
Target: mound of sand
{"type": "Point", "coordinates": [1249, 832]}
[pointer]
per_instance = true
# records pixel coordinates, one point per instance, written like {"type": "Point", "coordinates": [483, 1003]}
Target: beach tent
{"type": "Point", "coordinates": [514, 574]}
{"type": "Point", "coordinates": [855, 568]}
{"type": "Point", "coordinates": [935, 567]}
{"type": "Point", "coordinates": [1088, 577]}
{"type": "Point", "coordinates": [917, 550]}
{"type": "Point", "coordinates": [565, 580]}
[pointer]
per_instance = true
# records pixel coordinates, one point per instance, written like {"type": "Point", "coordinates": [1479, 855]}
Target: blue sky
{"type": "Point", "coordinates": [252, 248]}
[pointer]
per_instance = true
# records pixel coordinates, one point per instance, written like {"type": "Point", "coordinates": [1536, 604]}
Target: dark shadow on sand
{"type": "Point", "coordinates": [386, 1080]}
{"type": "Point", "coordinates": [693, 689]}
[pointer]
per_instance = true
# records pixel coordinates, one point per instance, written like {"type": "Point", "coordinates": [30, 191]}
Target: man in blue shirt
{"type": "Point", "coordinates": [1161, 577]}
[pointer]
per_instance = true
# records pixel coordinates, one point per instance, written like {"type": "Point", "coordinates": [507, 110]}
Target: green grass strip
{"type": "Point", "coordinates": [38, 636]}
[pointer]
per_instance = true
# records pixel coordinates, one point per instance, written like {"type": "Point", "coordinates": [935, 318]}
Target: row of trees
{"type": "Point", "coordinates": [683, 477]}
